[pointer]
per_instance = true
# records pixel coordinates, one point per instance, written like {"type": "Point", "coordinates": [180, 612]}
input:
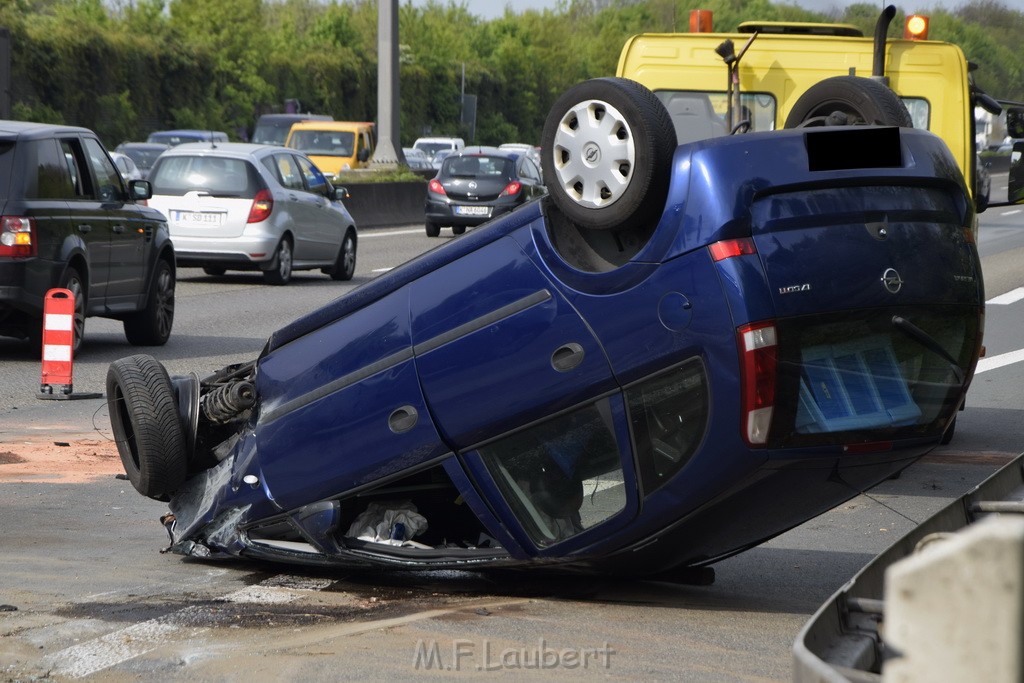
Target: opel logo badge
{"type": "Point", "coordinates": [472, 185]}
{"type": "Point", "coordinates": [892, 280]}
{"type": "Point", "coordinates": [591, 153]}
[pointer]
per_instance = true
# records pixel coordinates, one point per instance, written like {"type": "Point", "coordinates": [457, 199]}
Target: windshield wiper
{"type": "Point", "coordinates": [924, 339]}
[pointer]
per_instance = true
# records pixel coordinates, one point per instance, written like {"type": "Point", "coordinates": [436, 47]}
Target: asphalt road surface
{"type": "Point", "coordinates": [86, 594]}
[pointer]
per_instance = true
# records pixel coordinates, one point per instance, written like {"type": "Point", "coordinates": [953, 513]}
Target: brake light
{"type": "Point", "coordinates": [729, 248]}
{"type": "Point", "coordinates": [915, 27]}
{"type": "Point", "coordinates": [436, 187]}
{"type": "Point", "coordinates": [700, 20]}
{"type": "Point", "coordinates": [512, 189]}
{"type": "Point", "coordinates": [758, 368]}
{"type": "Point", "coordinates": [17, 236]}
{"type": "Point", "coordinates": [262, 205]}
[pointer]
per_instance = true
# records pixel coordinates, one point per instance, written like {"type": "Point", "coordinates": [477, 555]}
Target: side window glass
{"type": "Point", "coordinates": [289, 172]}
{"type": "Point", "coordinates": [108, 179]}
{"type": "Point", "coordinates": [562, 476]}
{"type": "Point", "coordinates": [53, 179]}
{"type": "Point", "coordinates": [530, 171]}
{"type": "Point", "coordinates": [668, 415]}
{"type": "Point", "coordinates": [315, 180]}
{"type": "Point", "coordinates": [74, 158]}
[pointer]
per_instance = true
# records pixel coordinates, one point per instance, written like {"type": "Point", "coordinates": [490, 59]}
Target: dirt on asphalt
{"type": "Point", "coordinates": [52, 460]}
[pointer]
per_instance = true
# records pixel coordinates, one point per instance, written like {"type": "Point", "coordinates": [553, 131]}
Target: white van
{"type": "Point", "coordinates": [431, 146]}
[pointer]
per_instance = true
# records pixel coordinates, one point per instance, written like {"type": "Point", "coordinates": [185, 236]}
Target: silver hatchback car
{"type": "Point", "coordinates": [236, 206]}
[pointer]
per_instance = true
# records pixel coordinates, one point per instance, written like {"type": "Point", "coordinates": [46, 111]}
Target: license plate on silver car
{"type": "Point", "coordinates": [473, 210]}
{"type": "Point", "coordinates": [198, 217]}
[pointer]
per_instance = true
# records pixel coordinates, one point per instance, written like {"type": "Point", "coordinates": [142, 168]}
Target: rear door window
{"type": "Point", "coordinates": [53, 180]}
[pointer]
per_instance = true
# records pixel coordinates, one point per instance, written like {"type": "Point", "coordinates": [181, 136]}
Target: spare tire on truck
{"type": "Point", "coordinates": [848, 101]}
{"type": "Point", "coordinates": [608, 145]}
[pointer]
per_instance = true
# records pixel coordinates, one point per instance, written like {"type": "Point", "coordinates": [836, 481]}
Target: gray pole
{"type": "Point", "coordinates": [388, 152]}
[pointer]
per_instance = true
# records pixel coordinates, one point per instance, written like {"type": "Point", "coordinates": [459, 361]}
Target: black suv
{"type": "Point", "coordinates": [68, 220]}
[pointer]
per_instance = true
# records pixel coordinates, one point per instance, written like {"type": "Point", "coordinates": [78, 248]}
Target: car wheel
{"type": "Point", "coordinates": [608, 146]}
{"type": "Point", "coordinates": [147, 429]}
{"type": "Point", "coordinates": [345, 266]}
{"type": "Point", "coordinates": [216, 272]}
{"type": "Point", "coordinates": [152, 325]}
{"type": "Point", "coordinates": [848, 100]}
{"type": "Point", "coordinates": [281, 271]}
{"type": "Point", "coordinates": [458, 229]}
{"type": "Point", "coordinates": [433, 229]}
{"type": "Point", "coordinates": [71, 281]}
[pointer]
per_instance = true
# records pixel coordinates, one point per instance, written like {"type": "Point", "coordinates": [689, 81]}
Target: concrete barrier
{"type": "Point", "coordinates": [380, 205]}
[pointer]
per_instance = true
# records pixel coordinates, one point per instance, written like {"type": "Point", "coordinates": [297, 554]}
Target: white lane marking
{"type": "Point", "coordinates": [1010, 297]}
{"type": "Point", "coordinates": [387, 233]}
{"type": "Point", "coordinates": [1010, 212]}
{"type": "Point", "coordinates": [1003, 359]}
{"type": "Point", "coordinates": [132, 641]}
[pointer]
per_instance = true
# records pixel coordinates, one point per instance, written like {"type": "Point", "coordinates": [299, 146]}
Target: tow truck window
{"type": "Point", "coordinates": [699, 115]}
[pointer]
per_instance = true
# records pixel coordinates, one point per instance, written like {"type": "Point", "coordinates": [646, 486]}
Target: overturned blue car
{"type": "Point", "coordinates": [680, 352]}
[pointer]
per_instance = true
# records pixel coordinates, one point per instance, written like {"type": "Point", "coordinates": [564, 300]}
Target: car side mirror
{"type": "Point", "coordinates": [364, 154]}
{"type": "Point", "coordinates": [140, 190]}
{"type": "Point", "coordinates": [1015, 122]}
{"type": "Point", "coordinates": [1015, 182]}
{"type": "Point", "coordinates": [339, 194]}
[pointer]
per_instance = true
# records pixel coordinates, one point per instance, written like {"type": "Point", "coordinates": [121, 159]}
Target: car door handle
{"type": "Point", "coordinates": [118, 229]}
{"type": "Point", "coordinates": [84, 227]}
{"type": "Point", "coordinates": [567, 357]}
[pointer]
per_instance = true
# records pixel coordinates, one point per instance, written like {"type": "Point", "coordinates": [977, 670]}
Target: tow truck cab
{"type": "Point", "coordinates": [773, 64]}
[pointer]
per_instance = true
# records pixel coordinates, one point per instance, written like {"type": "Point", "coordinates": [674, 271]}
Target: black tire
{"type": "Point", "coordinates": [147, 428]}
{"type": "Point", "coordinates": [280, 272]}
{"type": "Point", "coordinates": [345, 265]}
{"type": "Point", "coordinates": [215, 272]}
{"type": "Point", "coordinates": [848, 100]}
{"type": "Point", "coordinates": [605, 185]}
{"type": "Point", "coordinates": [71, 281]}
{"type": "Point", "coordinates": [458, 229]}
{"type": "Point", "coordinates": [433, 229]}
{"type": "Point", "coordinates": [152, 325]}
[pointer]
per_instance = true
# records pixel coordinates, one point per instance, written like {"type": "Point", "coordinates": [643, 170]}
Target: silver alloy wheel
{"type": "Point", "coordinates": [75, 286]}
{"type": "Point", "coordinates": [594, 154]}
{"type": "Point", "coordinates": [165, 302]}
{"type": "Point", "coordinates": [284, 260]}
{"type": "Point", "coordinates": [349, 258]}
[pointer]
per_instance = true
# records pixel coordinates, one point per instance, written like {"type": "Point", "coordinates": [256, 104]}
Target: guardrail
{"type": "Point", "coordinates": [845, 639]}
{"type": "Point", "coordinates": [379, 205]}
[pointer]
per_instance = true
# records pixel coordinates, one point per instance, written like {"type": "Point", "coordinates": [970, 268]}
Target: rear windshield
{"type": "Point", "coordinates": [143, 158]}
{"type": "Point", "coordinates": [871, 375]}
{"type": "Point", "coordinates": [219, 176]}
{"type": "Point", "coordinates": [6, 163]}
{"type": "Point", "coordinates": [477, 167]}
{"type": "Point", "coordinates": [324, 143]}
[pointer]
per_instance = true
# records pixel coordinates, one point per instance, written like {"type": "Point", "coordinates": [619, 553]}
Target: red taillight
{"type": "Point", "coordinates": [17, 236]}
{"type": "Point", "coordinates": [758, 367]}
{"type": "Point", "coordinates": [436, 187]}
{"type": "Point", "coordinates": [512, 189]}
{"type": "Point", "coordinates": [729, 248]}
{"type": "Point", "coordinates": [262, 205]}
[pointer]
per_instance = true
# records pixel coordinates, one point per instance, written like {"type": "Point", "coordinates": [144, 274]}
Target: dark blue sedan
{"type": "Point", "coordinates": [677, 354]}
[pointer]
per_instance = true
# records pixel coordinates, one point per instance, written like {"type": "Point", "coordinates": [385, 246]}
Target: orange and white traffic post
{"type": "Point", "coordinates": [59, 346]}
